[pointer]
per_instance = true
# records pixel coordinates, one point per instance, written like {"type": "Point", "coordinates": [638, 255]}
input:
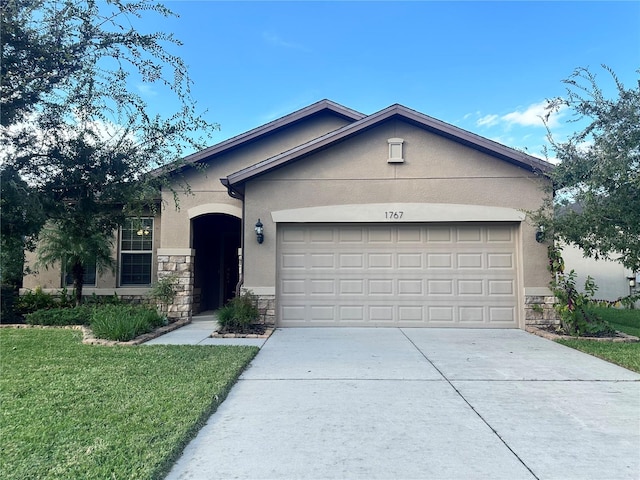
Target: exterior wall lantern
{"type": "Point", "coordinates": [632, 284]}
{"type": "Point", "coordinates": [540, 234]}
{"type": "Point", "coordinates": [259, 231]}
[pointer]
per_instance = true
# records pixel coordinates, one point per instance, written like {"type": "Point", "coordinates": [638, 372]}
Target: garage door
{"type": "Point", "coordinates": [407, 275]}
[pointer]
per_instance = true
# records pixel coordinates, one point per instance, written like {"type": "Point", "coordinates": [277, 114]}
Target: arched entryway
{"type": "Point", "coordinates": [216, 240]}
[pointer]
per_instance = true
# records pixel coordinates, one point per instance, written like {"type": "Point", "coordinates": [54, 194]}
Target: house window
{"type": "Point", "coordinates": [136, 247]}
{"type": "Point", "coordinates": [89, 276]}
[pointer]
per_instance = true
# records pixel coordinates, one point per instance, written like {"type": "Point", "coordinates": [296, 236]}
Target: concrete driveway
{"type": "Point", "coordinates": [389, 403]}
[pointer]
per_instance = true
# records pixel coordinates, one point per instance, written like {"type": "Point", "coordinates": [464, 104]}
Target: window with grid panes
{"type": "Point", "coordinates": [136, 247]}
{"type": "Point", "coordinates": [89, 276]}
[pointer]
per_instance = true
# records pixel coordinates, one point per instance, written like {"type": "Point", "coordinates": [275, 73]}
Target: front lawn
{"type": "Point", "coordinates": [624, 354]}
{"type": "Point", "coordinates": [78, 411]}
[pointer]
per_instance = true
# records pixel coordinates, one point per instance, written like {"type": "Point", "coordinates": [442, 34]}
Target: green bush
{"type": "Point", "coordinates": [35, 300]}
{"type": "Point", "coordinates": [239, 313]}
{"type": "Point", "coordinates": [80, 315]}
{"type": "Point", "coordinates": [94, 299]}
{"type": "Point", "coordinates": [124, 322]}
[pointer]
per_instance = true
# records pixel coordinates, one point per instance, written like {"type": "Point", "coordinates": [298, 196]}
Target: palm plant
{"type": "Point", "coordinates": [75, 248]}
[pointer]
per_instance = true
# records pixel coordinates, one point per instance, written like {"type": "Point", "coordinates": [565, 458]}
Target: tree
{"type": "Point", "coordinates": [77, 131]}
{"type": "Point", "coordinates": [22, 218]}
{"type": "Point", "coordinates": [597, 181]}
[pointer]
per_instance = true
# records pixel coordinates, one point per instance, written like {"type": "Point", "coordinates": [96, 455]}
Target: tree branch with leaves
{"type": "Point", "coordinates": [74, 128]}
{"type": "Point", "coordinates": [596, 184]}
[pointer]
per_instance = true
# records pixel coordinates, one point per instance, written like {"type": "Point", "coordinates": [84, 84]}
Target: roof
{"type": "Point", "coordinates": [431, 124]}
{"type": "Point", "coordinates": [268, 128]}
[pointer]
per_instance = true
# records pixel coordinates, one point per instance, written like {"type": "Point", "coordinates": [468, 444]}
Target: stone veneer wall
{"type": "Point", "coordinates": [539, 310]}
{"type": "Point", "coordinates": [179, 263]}
{"type": "Point", "coordinates": [266, 306]}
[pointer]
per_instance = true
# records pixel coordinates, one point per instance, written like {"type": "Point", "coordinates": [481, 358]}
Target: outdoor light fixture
{"type": "Point", "coordinates": [632, 282]}
{"type": "Point", "coordinates": [540, 234]}
{"type": "Point", "coordinates": [259, 231]}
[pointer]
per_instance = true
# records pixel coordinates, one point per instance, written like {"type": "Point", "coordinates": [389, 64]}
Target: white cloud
{"type": "Point", "coordinates": [487, 121]}
{"type": "Point", "coordinates": [531, 116]}
{"type": "Point", "coordinates": [277, 41]}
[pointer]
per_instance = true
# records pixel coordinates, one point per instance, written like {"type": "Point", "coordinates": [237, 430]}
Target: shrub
{"type": "Point", "coordinates": [35, 300]}
{"type": "Point", "coordinates": [164, 292]}
{"type": "Point", "coordinates": [124, 322]}
{"type": "Point", "coordinates": [94, 299]}
{"type": "Point", "coordinates": [239, 313]}
{"type": "Point", "coordinates": [577, 315]}
{"type": "Point", "coordinates": [80, 315]}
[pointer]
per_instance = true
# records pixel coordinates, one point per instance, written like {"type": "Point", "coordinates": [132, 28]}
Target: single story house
{"type": "Point", "coordinates": [336, 218]}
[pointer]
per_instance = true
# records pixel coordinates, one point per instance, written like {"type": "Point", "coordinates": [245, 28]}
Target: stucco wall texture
{"type": "Point", "coordinates": [435, 170]}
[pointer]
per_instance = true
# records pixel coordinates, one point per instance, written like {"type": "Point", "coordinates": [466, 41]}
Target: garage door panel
{"type": "Point", "coordinates": [501, 287]}
{"type": "Point", "coordinates": [410, 260]}
{"type": "Point", "coordinates": [380, 260]}
{"type": "Point", "coordinates": [500, 260]}
{"type": "Point", "coordinates": [471, 287]}
{"type": "Point", "coordinates": [380, 287]}
{"type": "Point", "coordinates": [293, 260]}
{"type": "Point", "coordinates": [321, 260]}
{"type": "Point", "coordinates": [380, 235]}
{"type": "Point", "coordinates": [382, 313]}
{"type": "Point", "coordinates": [351, 260]}
{"type": "Point", "coordinates": [469, 234]}
{"type": "Point", "coordinates": [410, 287]}
{"type": "Point", "coordinates": [469, 260]}
{"type": "Point", "coordinates": [417, 275]}
{"type": "Point", "coordinates": [502, 314]}
{"type": "Point", "coordinates": [439, 260]}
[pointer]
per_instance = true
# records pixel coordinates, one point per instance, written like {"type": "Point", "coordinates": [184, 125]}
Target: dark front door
{"type": "Point", "coordinates": [216, 240]}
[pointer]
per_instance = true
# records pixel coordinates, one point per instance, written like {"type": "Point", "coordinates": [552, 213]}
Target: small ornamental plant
{"type": "Point", "coordinates": [575, 308]}
{"type": "Point", "coordinates": [239, 314]}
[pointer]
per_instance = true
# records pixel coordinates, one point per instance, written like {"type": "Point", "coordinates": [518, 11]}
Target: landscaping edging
{"type": "Point", "coordinates": [620, 338]}
{"type": "Point", "coordinates": [89, 339]}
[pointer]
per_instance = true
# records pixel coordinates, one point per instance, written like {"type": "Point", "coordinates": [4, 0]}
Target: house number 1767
{"type": "Point", "coordinates": [397, 215]}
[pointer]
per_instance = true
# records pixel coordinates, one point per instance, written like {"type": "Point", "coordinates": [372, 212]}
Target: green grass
{"type": "Point", "coordinates": [80, 411]}
{"type": "Point", "coordinates": [624, 320]}
{"type": "Point", "coordinates": [624, 354]}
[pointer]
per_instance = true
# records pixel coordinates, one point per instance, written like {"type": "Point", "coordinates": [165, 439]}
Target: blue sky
{"type": "Point", "coordinates": [486, 67]}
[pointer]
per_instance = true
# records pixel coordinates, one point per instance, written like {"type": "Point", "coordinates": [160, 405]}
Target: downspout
{"type": "Point", "coordinates": [235, 194]}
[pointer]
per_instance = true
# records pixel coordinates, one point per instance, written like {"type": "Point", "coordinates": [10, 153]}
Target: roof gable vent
{"type": "Point", "coordinates": [395, 150]}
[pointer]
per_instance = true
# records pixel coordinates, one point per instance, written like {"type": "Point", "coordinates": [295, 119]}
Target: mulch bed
{"type": "Point", "coordinates": [256, 330]}
{"type": "Point", "coordinates": [552, 333]}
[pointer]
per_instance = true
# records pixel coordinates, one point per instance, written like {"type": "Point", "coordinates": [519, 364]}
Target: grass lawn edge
{"type": "Point", "coordinates": [173, 456]}
{"type": "Point", "coordinates": [208, 405]}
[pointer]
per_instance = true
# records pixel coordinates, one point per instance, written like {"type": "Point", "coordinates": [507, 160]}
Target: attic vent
{"type": "Point", "coordinates": [395, 150]}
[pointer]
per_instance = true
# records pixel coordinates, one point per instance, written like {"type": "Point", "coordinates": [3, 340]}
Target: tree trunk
{"type": "Point", "coordinates": [78, 281]}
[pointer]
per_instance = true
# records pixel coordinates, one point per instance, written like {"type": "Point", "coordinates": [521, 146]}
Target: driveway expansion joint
{"type": "Point", "coordinates": [495, 432]}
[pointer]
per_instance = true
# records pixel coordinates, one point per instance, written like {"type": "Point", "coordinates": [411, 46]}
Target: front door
{"type": "Point", "coordinates": [216, 240]}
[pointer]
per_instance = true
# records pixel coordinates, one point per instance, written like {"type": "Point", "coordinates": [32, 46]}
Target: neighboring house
{"type": "Point", "coordinates": [611, 277]}
{"type": "Point", "coordinates": [389, 219]}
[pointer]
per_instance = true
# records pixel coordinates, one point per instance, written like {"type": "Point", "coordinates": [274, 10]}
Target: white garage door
{"type": "Point", "coordinates": [397, 275]}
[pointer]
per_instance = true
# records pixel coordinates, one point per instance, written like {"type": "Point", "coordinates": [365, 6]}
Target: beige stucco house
{"type": "Point", "coordinates": [389, 219]}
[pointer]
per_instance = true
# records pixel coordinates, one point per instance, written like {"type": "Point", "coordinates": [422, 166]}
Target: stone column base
{"type": "Point", "coordinates": [540, 310]}
{"type": "Point", "coordinates": [179, 264]}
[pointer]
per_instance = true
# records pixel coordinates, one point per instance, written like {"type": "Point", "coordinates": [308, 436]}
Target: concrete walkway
{"type": "Point", "coordinates": [393, 403]}
{"type": "Point", "coordinates": [198, 332]}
